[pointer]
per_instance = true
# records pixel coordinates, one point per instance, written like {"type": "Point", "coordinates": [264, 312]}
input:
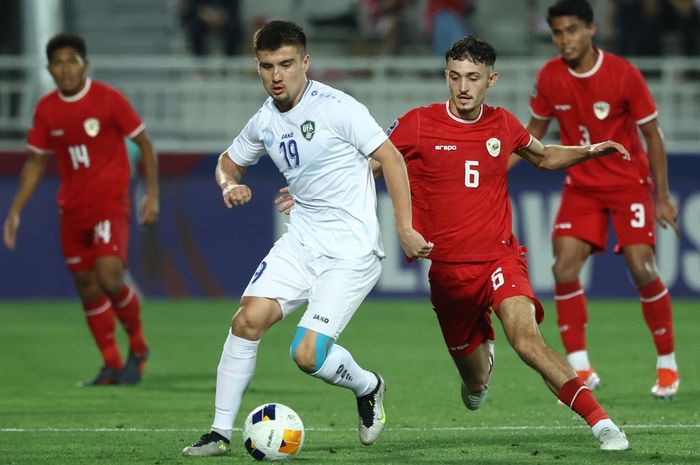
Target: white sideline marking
{"type": "Point", "coordinates": [449, 428]}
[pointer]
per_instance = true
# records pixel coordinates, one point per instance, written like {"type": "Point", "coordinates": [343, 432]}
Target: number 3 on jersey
{"type": "Point", "coordinates": [79, 156]}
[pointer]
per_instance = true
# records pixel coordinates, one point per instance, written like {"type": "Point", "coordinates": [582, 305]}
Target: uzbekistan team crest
{"type": "Point", "coordinates": [92, 126]}
{"type": "Point", "coordinates": [493, 145]}
{"type": "Point", "coordinates": [601, 109]}
{"type": "Point", "coordinates": [308, 129]}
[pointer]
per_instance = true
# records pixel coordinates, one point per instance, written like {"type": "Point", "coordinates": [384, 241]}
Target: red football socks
{"type": "Point", "coordinates": [656, 306]}
{"type": "Point", "coordinates": [128, 310]}
{"type": "Point", "coordinates": [579, 398]}
{"type": "Point", "coordinates": [572, 315]}
{"type": "Point", "coordinates": [100, 320]}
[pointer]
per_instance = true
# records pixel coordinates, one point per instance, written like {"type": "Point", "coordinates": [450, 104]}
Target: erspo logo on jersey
{"type": "Point", "coordinates": [446, 148]}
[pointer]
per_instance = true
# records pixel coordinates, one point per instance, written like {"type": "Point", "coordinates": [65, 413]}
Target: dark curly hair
{"type": "Point", "coordinates": [472, 49]}
{"type": "Point", "coordinates": [66, 40]}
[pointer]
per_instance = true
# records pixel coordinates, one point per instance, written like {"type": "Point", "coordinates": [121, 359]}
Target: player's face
{"type": "Point", "coordinates": [283, 74]}
{"type": "Point", "coordinates": [572, 37]}
{"type": "Point", "coordinates": [68, 70]}
{"type": "Point", "coordinates": [468, 82]}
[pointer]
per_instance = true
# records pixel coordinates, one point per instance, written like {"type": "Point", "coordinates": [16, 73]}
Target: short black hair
{"type": "Point", "coordinates": [276, 34]}
{"type": "Point", "coordinates": [579, 8]}
{"type": "Point", "coordinates": [472, 49]}
{"type": "Point", "coordinates": [66, 40]}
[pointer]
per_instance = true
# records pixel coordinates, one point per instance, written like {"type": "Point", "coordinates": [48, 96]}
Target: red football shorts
{"type": "Point", "coordinates": [86, 237]}
{"type": "Point", "coordinates": [463, 295]}
{"type": "Point", "coordinates": [584, 215]}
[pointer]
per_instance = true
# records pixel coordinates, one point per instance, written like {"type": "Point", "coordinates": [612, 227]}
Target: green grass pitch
{"type": "Point", "coordinates": [45, 349]}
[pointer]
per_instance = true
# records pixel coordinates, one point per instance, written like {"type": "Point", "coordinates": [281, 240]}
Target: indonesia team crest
{"type": "Point", "coordinates": [601, 109]}
{"type": "Point", "coordinates": [308, 129]}
{"type": "Point", "coordinates": [493, 145]}
{"type": "Point", "coordinates": [92, 126]}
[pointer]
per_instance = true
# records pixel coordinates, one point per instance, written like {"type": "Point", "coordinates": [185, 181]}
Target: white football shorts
{"type": "Point", "coordinates": [334, 288]}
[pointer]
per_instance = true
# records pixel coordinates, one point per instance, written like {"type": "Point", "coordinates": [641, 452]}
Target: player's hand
{"type": "Point", "coordinates": [414, 245]}
{"type": "Point", "coordinates": [149, 210]}
{"type": "Point", "coordinates": [285, 201]}
{"type": "Point", "coordinates": [667, 214]}
{"type": "Point", "coordinates": [608, 147]}
{"type": "Point", "coordinates": [9, 230]}
{"type": "Point", "coordinates": [235, 194]}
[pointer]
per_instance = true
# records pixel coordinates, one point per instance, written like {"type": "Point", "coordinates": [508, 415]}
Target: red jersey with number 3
{"type": "Point", "coordinates": [457, 170]}
{"type": "Point", "coordinates": [608, 102]}
{"type": "Point", "coordinates": [86, 133]}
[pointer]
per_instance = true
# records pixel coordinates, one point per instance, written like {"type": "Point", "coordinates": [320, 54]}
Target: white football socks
{"type": "Point", "coordinates": [340, 369]}
{"type": "Point", "coordinates": [598, 427]}
{"type": "Point", "coordinates": [235, 371]}
{"type": "Point", "coordinates": [579, 360]}
{"type": "Point", "coordinates": [667, 361]}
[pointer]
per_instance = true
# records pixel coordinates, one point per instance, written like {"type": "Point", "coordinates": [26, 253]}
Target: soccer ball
{"type": "Point", "coordinates": [273, 432]}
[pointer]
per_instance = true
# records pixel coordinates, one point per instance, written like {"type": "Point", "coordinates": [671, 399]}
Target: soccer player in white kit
{"type": "Point", "coordinates": [321, 140]}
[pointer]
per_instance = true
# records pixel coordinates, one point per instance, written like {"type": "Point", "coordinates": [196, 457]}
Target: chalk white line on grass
{"type": "Point", "coordinates": [321, 429]}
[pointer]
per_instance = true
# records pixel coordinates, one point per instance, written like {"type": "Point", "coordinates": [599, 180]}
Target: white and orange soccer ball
{"type": "Point", "coordinates": [273, 432]}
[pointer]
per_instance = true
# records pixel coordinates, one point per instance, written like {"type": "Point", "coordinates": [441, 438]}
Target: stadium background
{"type": "Point", "coordinates": [193, 106]}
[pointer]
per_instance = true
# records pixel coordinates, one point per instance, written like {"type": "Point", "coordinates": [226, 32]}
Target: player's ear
{"type": "Point", "coordinates": [305, 62]}
{"type": "Point", "coordinates": [257, 66]}
{"type": "Point", "coordinates": [493, 77]}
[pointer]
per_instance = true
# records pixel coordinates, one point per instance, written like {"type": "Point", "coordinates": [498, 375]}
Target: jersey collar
{"type": "Point", "coordinates": [461, 120]}
{"type": "Point", "coordinates": [79, 95]}
{"type": "Point", "coordinates": [592, 71]}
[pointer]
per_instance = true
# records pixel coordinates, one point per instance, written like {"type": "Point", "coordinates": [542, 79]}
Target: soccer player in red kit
{"type": "Point", "coordinates": [456, 155]}
{"type": "Point", "coordinates": [597, 96]}
{"type": "Point", "coordinates": [83, 123]}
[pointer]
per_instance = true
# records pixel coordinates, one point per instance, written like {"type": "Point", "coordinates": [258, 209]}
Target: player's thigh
{"type": "Point", "coordinates": [254, 316]}
{"type": "Point", "coordinates": [633, 217]}
{"type": "Point", "coordinates": [282, 276]}
{"type": "Point", "coordinates": [339, 287]}
{"type": "Point", "coordinates": [509, 282]}
{"type": "Point", "coordinates": [518, 315]}
{"type": "Point", "coordinates": [457, 292]}
{"type": "Point", "coordinates": [582, 216]}
{"type": "Point", "coordinates": [76, 242]}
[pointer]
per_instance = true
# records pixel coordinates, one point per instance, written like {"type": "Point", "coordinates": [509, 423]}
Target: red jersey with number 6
{"type": "Point", "coordinates": [606, 103]}
{"type": "Point", "coordinates": [457, 170]}
{"type": "Point", "coordinates": [86, 133]}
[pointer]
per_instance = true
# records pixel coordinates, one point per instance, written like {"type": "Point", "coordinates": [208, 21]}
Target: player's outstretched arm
{"type": "Point", "coordinates": [150, 207]}
{"type": "Point", "coordinates": [228, 176]}
{"type": "Point", "coordinates": [557, 157]}
{"type": "Point", "coordinates": [666, 210]}
{"type": "Point", "coordinates": [32, 172]}
{"type": "Point", "coordinates": [538, 128]}
{"type": "Point", "coordinates": [394, 169]}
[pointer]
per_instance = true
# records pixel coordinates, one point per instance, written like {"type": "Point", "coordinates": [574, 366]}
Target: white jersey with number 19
{"type": "Point", "coordinates": [321, 147]}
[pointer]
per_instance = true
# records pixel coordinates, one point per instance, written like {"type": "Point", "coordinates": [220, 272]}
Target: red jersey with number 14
{"type": "Point", "coordinates": [457, 170]}
{"type": "Point", "coordinates": [86, 133]}
{"type": "Point", "coordinates": [606, 103]}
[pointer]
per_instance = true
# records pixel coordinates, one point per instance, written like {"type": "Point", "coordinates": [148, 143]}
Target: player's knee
{"type": "Point", "coordinates": [245, 325]}
{"type": "Point", "coordinates": [110, 277]}
{"type": "Point", "coordinates": [87, 286]}
{"type": "Point", "coordinates": [565, 270]}
{"type": "Point", "coordinates": [309, 353]}
{"type": "Point", "coordinates": [528, 346]}
{"type": "Point", "coordinates": [642, 272]}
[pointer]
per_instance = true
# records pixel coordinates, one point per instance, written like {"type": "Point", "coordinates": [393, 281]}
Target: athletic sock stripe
{"type": "Point", "coordinates": [571, 406]}
{"type": "Point", "coordinates": [126, 299]}
{"type": "Point", "coordinates": [652, 299]}
{"type": "Point", "coordinates": [568, 296]}
{"type": "Point", "coordinates": [96, 311]}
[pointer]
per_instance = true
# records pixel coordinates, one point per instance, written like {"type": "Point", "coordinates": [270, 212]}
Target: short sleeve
{"type": "Point", "coordinates": [540, 107]}
{"type": "Point", "coordinates": [247, 148]}
{"type": "Point", "coordinates": [127, 119]}
{"type": "Point", "coordinates": [356, 125]}
{"type": "Point", "coordinates": [404, 133]}
{"type": "Point", "coordinates": [641, 103]}
{"type": "Point", "coordinates": [38, 135]}
{"type": "Point", "coordinates": [518, 134]}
